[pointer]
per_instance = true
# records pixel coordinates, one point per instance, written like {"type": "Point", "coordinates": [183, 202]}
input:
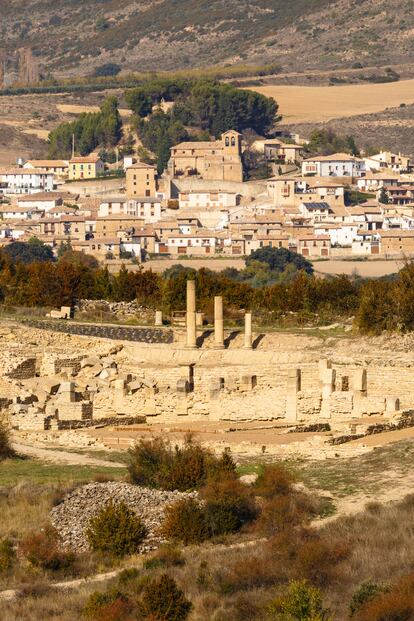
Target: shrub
{"type": "Point", "coordinates": [116, 530]}
{"type": "Point", "coordinates": [185, 521]}
{"type": "Point", "coordinates": [366, 592]}
{"type": "Point", "coordinates": [7, 555]}
{"type": "Point", "coordinates": [166, 556]}
{"type": "Point", "coordinates": [317, 560]}
{"type": "Point", "coordinates": [228, 505]}
{"type": "Point", "coordinates": [42, 550]}
{"type": "Point", "coordinates": [154, 463]}
{"type": "Point", "coordinates": [162, 600]}
{"type": "Point", "coordinates": [254, 571]}
{"type": "Point", "coordinates": [301, 602]}
{"type": "Point", "coordinates": [110, 606]}
{"type": "Point", "coordinates": [5, 447]}
{"type": "Point", "coordinates": [274, 480]}
{"type": "Point", "coordinates": [279, 514]}
{"type": "Point", "coordinates": [396, 604]}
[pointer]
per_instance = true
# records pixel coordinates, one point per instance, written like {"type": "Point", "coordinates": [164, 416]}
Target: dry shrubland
{"type": "Point", "coordinates": [268, 563]}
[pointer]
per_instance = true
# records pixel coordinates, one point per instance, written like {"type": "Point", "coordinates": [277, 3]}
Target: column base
{"type": "Point", "coordinates": [218, 347]}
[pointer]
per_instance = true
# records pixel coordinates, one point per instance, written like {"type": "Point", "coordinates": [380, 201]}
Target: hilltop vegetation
{"type": "Point", "coordinates": [79, 36]}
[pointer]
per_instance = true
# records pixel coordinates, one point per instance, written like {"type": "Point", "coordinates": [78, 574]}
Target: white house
{"type": "Point", "coordinates": [340, 234]}
{"type": "Point", "coordinates": [198, 243]}
{"type": "Point", "coordinates": [315, 212]}
{"type": "Point", "coordinates": [374, 181]}
{"type": "Point", "coordinates": [13, 212]}
{"type": "Point", "coordinates": [387, 159]}
{"type": "Point", "coordinates": [149, 209]}
{"type": "Point", "coordinates": [25, 181]}
{"type": "Point", "coordinates": [207, 199]}
{"type": "Point", "coordinates": [336, 165]}
{"type": "Point", "coordinates": [59, 168]}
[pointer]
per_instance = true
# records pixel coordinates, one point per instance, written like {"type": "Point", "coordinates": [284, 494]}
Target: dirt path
{"type": "Point", "coordinates": [57, 456]}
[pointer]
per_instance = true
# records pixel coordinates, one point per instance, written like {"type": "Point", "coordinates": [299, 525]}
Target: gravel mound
{"type": "Point", "coordinates": [71, 517]}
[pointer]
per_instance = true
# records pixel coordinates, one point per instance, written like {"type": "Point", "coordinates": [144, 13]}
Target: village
{"type": "Point", "coordinates": [321, 207]}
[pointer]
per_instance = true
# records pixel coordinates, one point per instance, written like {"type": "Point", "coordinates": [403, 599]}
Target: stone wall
{"type": "Point", "coordinates": [120, 333]}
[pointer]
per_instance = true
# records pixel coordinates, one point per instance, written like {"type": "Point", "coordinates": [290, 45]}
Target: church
{"type": "Point", "coordinates": [218, 160]}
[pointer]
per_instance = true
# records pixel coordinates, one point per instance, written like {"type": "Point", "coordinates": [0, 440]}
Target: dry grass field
{"type": "Point", "coordinates": [302, 104]}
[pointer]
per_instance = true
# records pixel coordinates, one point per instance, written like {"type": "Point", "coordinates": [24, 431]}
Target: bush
{"type": "Point", "coordinates": [7, 555]}
{"type": "Point", "coordinates": [166, 556]}
{"type": "Point", "coordinates": [42, 550]}
{"type": "Point", "coordinates": [279, 514]}
{"type": "Point", "coordinates": [162, 600]}
{"type": "Point", "coordinates": [254, 571]}
{"type": "Point", "coordinates": [274, 480]}
{"type": "Point", "coordinates": [366, 592]}
{"type": "Point", "coordinates": [228, 506]}
{"type": "Point", "coordinates": [185, 521]}
{"type": "Point", "coordinates": [318, 560]}
{"type": "Point", "coordinates": [396, 604]}
{"type": "Point", "coordinates": [110, 606]}
{"type": "Point", "coordinates": [154, 463]}
{"type": "Point", "coordinates": [300, 603]}
{"type": "Point", "coordinates": [5, 447]}
{"type": "Point", "coordinates": [116, 530]}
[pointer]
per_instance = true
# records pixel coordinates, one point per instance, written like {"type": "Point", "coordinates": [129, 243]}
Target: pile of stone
{"type": "Point", "coordinates": [72, 516]}
{"type": "Point", "coordinates": [122, 310]}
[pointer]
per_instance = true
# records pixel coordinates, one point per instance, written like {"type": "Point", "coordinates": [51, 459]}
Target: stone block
{"type": "Point", "coordinates": [183, 386]}
{"type": "Point", "coordinates": [108, 373]}
{"type": "Point", "coordinates": [248, 382]}
{"type": "Point", "coordinates": [392, 404]}
{"type": "Point", "coordinates": [294, 380]}
{"type": "Point", "coordinates": [90, 362]}
{"type": "Point", "coordinates": [66, 312]}
{"type": "Point", "coordinates": [323, 366]}
{"type": "Point", "coordinates": [359, 382]}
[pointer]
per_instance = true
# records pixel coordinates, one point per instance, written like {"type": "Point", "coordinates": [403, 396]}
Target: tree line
{"type": "Point", "coordinates": [89, 131]}
{"type": "Point", "coordinates": [275, 282]}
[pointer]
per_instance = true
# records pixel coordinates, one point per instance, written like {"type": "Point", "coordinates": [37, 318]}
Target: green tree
{"type": "Point", "coordinates": [116, 530]}
{"type": "Point", "coordinates": [164, 601]}
{"type": "Point", "coordinates": [139, 102]}
{"type": "Point", "coordinates": [384, 197]}
{"type": "Point", "coordinates": [29, 252]}
{"type": "Point", "coordinates": [278, 258]}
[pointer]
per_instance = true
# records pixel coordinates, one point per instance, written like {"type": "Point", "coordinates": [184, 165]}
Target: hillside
{"type": "Point", "coordinates": [78, 35]}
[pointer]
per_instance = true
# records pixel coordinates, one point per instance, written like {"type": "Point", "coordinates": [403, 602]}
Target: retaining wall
{"type": "Point", "coordinates": [120, 333]}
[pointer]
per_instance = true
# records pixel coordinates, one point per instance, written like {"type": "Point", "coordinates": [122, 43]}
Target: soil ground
{"type": "Point", "coordinates": [300, 104]}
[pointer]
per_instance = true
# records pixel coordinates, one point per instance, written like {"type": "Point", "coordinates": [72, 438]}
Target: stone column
{"type": "Point", "coordinates": [158, 318]}
{"type": "Point", "coordinates": [191, 315]}
{"type": "Point", "coordinates": [199, 320]}
{"type": "Point", "coordinates": [359, 392]}
{"type": "Point", "coordinates": [328, 387]}
{"type": "Point", "coordinates": [248, 331]}
{"type": "Point", "coordinates": [294, 386]}
{"type": "Point", "coordinates": [218, 323]}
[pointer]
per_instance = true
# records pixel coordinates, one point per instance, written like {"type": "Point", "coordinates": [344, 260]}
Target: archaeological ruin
{"type": "Point", "coordinates": [60, 375]}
